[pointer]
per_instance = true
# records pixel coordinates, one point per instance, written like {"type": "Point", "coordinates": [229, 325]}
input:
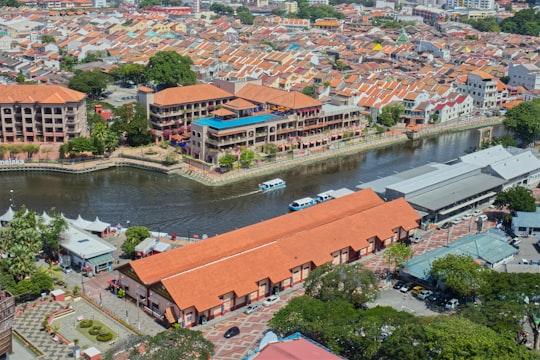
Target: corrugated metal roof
{"type": "Point", "coordinates": [486, 157]}
{"type": "Point", "coordinates": [526, 219]}
{"type": "Point", "coordinates": [516, 165]}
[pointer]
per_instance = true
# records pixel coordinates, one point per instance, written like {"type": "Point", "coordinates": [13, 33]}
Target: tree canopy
{"type": "Point", "coordinates": [170, 69]}
{"type": "Point", "coordinates": [134, 235]}
{"type": "Point", "coordinates": [459, 273]}
{"type": "Point", "coordinates": [131, 121]}
{"type": "Point", "coordinates": [449, 337]}
{"type": "Point", "coordinates": [168, 345]}
{"type": "Point", "coordinates": [523, 121]}
{"type": "Point", "coordinates": [352, 283]}
{"type": "Point", "coordinates": [516, 198]}
{"type": "Point", "coordinates": [92, 83]}
{"type": "Point", "coordinates": [390, 114]}
{"type": "Point", "coordinates": [524, 22]}
{"type": "Point", "coordinates": [397, 254]}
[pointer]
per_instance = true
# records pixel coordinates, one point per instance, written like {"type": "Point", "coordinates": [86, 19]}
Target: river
{"type": "Point", "coordinates": [170, 203]}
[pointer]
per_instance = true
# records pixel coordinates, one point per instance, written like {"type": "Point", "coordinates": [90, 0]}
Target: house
{"type": "Point", "coordinates": [526, 223]}
{"type": "Point", "coordinates": [488, 248]}
{"type": "Point", "coordinates": [526, 75]}
{"type": "Point", "coordinates": [87, 251]}
{"type": "Point", "coordinates": [207, 279]}
{"type": "Point", "coordinates": [482, 87]}
{"type": "Point", "coordinates": [455, 107]}
{"type": "Point", "coordinates": [41, 113]}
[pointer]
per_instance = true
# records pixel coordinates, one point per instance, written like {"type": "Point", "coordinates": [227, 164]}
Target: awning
{"type": "Point", "coordinates": [101, 259]}
{"type": "Point", "coordinates": [169, 315]}
{"type": "Point", "coordinates": [459, 206]}
{"type": "Point", "coordinates": [113, 283]}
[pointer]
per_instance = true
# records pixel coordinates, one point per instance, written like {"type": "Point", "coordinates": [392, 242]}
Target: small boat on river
{"type": "Point", "coordinates": [302, 203]}
{"type": "Point", "coordinates": [273, 184]}
{"type": "Point", "coordinates": [324, 196]}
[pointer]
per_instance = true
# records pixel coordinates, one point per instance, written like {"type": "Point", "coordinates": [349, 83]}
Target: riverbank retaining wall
{"type": "Point", "coordinates": [299, 158]}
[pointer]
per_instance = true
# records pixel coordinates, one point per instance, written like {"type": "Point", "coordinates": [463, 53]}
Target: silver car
{"type": "Point", "coordinates": [251, 308]}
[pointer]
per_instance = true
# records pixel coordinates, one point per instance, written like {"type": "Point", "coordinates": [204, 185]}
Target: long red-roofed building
{"type": "Point", "coordinates": [207, 279]}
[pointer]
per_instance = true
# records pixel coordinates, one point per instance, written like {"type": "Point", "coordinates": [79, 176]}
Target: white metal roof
{"type": "Point", "coordinates": [84, 244]}
{"type": "Point", "coordinates": [516, 165]}
{"type": "Point", "coordinates": [487, 156]}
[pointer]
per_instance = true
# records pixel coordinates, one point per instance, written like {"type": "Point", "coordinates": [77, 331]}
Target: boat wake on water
{"type": "Point", "coordinates": [244, 194]}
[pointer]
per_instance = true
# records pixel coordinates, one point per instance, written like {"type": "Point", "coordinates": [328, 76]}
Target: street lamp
{"type": "Point", "coordinates": [82, 275]}
{"type": "Point", "coordinates": [138, 310]}
{"type": "Point", "coordinates": [11, 199]}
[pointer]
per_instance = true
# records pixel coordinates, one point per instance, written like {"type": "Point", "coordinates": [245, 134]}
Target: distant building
{"type": "Point", "coordinates": [329, 24]}
{"type": "Point", "coordinates": [41, 113]}
{"type": "Point", "coordinates": [471, 4]}
{"type": "Point", "coordinates": [526, 75]}
{"type": "Point", "coordinates": [7, 313]}
{"type": "Point", "coordinates": [482, 87]}
{"type": "Point", "coordinates": [526, 223]}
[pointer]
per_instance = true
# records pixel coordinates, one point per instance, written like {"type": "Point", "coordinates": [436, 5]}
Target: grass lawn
{"type": "Point", "coordinates": [92, 338]}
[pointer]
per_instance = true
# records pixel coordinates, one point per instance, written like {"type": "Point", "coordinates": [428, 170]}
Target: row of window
{"type": "Point", "coordinates": [29, 110]}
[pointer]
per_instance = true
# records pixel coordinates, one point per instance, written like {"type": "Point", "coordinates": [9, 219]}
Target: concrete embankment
{"type": "Point", "coordinates": [299, 158]}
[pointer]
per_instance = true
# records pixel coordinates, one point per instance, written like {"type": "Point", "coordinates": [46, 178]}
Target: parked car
{"type": "Point", "coordinates": [446, 225]}
{"type": "Point", "coordinates": [451, 304]}
{"type": "Point", "coordinates": [407, 287]}
{"type": "Point", "coordinates": [417, 239]}
{"type": "Point", "coordinates": [417, 290]}
{"type": "Point", "coordinates": [456, 220]}
{"type": "Point", "coordinates": [444, 299]}
{"type": "Point", "coordinates": [399, 284]}
{"type": "Point", "coordinates": [232, 332]}
{"type": "Point", "coordinates": [467, 216]}
{"type": "Point", "coordinates": [435, 296]}
{"type": "Point", "coordinates": [252, 308]}
{"type": "Point", "coordinates": [424, 294]}
{"type": "Point", "coordinates": [477, 212]}
{"type": "Point", "coordinates": [484, 217]}
{"type": "Point", "coordinates": [271, 300]}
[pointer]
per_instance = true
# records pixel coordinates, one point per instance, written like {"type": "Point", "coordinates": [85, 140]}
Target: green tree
{"type": "Point", "coordinates": [449, 337]}
{"type": "Point", "coordinates": [516, 198]}
{"type": "Point", "coordinates": [131, 121]}
{"type": "Point", "coordinates": [104, 137]}
{"type": "Point", "coordinates": [271, 149]}
{"type": "Point", "coordinates": [397, 254]}
{"type": "Point", "coordinates": [148, 4]}
{"type": "Point", "coordinates": [459, 273]}
{"type": "Point", "coordinates": [245, 15]}
{"type": "Point", "coordinates": [505, 140]}
{"type": "Point", "coordinates": [523, 121]}
{"type": "Point", "coordinates": [45, 39]}
{"type": "Point", "coordinates": [31, 149]}
{"type": "Point", "coordinates": [169, 345]}
{"type": "Point", "coordinates": [51, 232]}
{"type": "Point", "coordinates": [77, 146]}
{"type": "Point", "coordinates": [169, 69]}
{"type": "Point", "coordinates": [21, 79]}
{"type": "Point", "coordinates": [68, 62]}
{"type": "Point", "coordinates": [227, 160]}
{"type": "Point", "coordinates": [505, 79]}
{"type": "Point", "coordinates": [92, 83]}
{"type": "Point", "coordinates": [309, 90]}
{"type": "Point", "coordinates": [390, 114]}
{"type": "Point", "coordinates": [246, 157]}
{"type": "Point", "coordinates": [350, 283]}
{"type": "Point", "coordinates": [21, 241]}
{"type": "Point", "coordinates": [134, 235]}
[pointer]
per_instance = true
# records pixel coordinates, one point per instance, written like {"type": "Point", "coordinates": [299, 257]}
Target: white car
{"type": "Point", "coordinates": [467, 216]}
{"type": "Point", "coordinates": [456, 220]}
{"type": "Point", "coordinates": [424, 294]}
{"type": "Point", "coordinates": [251, 309]}
{"type": "Point", "coordinates": [483, 217]}
{"type": "Point", "coordinates": [271, 300]}
{"type": "Point", "coordinates": [452, 304]}
{"type": "Point", "coordinates": [477, 212]}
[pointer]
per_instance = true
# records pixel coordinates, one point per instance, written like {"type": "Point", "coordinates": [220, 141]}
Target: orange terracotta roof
{"type": "Point", "coordinates": [239, 104]}
{"type": "Point", "coordinates": [45, 94]}
{"type": "Point", "coordinates": [283, 243]}
{"type": "Point", "coordinates": [222, 112]}
{"type": "Point", "coordinates": [189, 94]}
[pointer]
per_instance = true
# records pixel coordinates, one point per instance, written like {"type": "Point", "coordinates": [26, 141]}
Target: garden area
{"type": "Point", "coordinates": [95, 331]}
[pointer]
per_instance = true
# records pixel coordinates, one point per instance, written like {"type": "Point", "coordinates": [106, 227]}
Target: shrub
{"type": "Point", "coordinates": [104, 336]}
{"type": "Point", "coordinates": [85, 324]}
{"type": "Point", "coordinates": [95, 330]}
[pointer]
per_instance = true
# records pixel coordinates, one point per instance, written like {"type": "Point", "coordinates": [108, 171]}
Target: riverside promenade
{"type": "Point", "coordinates": [151, 158]}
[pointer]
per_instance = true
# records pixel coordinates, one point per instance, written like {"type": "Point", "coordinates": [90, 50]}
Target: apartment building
{"type": "Point", "coordinates": [471, 4]}
{"type": "Point", "coordinates": [261, 115]}
{"type": "Point", "coordinates": [526, 75]}
{"type": "Point", "coordinates": [454, 107]}
{"type": "Point", "coordinates": [41, 113]}
{"type": "Point", "coordinates": [174, 109]}
{"type": "Point", "coordinates": [202, 281]}
{"type": "Point", "coordinates": [482, 87]}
